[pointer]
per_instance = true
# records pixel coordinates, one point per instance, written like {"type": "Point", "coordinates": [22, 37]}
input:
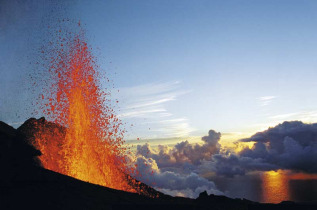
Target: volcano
{"type": "Point", "coordinates": [25, 184]}
{"type": "Point", "coordinates": [78, 159]}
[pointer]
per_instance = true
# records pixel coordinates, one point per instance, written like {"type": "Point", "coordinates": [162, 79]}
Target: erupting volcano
{"type": "Point", "coordinates": [89, 143]}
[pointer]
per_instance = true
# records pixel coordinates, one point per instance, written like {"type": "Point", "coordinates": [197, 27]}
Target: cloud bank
{"type": "Point", "coordinates": [178, 170]}
{"type": "Point", "coordinates": [183, 152]}
{"type": "Point", "coordinates": [172, 169]}
{"type": "Point", "coordinates": [174, 183]}
{"type": "Point", "coordinates": [290, 145]}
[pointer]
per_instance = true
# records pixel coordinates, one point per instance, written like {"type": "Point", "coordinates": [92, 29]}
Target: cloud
{"type": "Point", "coordinates": [172, 183]}
{"type": "Point", "coordinates": [306, 116]}
{"type": "Point", "coordinates": [145, 100]}
{"type": "Point", "coordinates": [171, 127]}
{"type": "Point", "coordinates": [179, 170]}
{"type": "Point", "coordinates": [172, 169]}
{"type": "Point", "coordinates": [141, 113]}
{"type": "Point", "coordinates": [290, 145]}
{"type": "Point", "coordinates": [233, 164]}
{"type": "Point", "coordinates": [266, 100]}
{"type": "Point", "coordinates": [145, 106]}
{"type": "Point", "coordinates": [183, 152]}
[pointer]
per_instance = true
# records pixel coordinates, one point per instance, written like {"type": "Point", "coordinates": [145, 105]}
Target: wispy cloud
{"type": "Point", "coordinates": [284, 116]}
{"type": "Point", "coordinates": [273, 120]}
{"type": "Point", "coordinates": [174, 127]}
{"type": "Point", "coordinates": [305, 116]}
{"type": "Point", "coordinates": [148, 102]}
{"type": "Point", "coordinates": [151, 103]}
{"type": "Point", "coordinates": [266, 100]}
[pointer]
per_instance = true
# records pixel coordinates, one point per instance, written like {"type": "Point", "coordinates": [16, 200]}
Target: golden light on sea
{"type": "Point", "coordinates": [275, 187]}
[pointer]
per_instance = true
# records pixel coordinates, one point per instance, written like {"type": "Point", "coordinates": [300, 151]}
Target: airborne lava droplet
{"type": "Point", "coordinates": [90, 147]}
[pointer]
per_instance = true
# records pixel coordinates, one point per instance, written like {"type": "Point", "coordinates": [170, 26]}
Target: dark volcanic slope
{"type": "Point", "coordinates": [25, 185]}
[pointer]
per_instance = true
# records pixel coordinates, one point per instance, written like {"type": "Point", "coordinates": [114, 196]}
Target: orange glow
{"type": "Point", "coordinates": [275, 184]}
{"type": "Point", "coordinates": [89, 146]}
{"type": "Point", "coordinates": [302, 176]}
{"type": "Point", "coordinates": [275, 187]}
{"type": "Point", "coordinates": [243, 145]}
{"type": "Point", "coordinates": [229, 142]}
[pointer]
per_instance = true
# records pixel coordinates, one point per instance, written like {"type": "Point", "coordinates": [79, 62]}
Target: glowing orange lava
{"type": "Point", "coordinates": [89, 145]}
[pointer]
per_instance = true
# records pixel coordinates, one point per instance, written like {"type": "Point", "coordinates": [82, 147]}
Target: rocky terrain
{"type": "Point", "coordinates": [24, 184]}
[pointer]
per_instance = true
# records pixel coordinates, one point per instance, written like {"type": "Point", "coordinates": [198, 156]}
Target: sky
{"type": "Point", "coordinates": [182, 68]}
{"type": "Point", "coordinates": [229, 65]}
{"type": "Point", "coordinates": [188, 72]}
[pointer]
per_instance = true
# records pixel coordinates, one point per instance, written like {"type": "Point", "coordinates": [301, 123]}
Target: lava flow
{"type": "Point", "coordinates": [90, 145]}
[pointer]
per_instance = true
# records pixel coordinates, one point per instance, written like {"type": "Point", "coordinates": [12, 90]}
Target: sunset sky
{"type": "Point", "coordinates": [181, 69]}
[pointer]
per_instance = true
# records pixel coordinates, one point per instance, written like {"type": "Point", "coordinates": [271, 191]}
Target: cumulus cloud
{"type": "Point", "coordinates": [172, 183]}
{"type": "Point", "coordinates": [183, 152]}
{"type": "Point", "coordinates": [172, 169]}
{"type": "Point", "coordinates": [233, 164]}
{"type": "Point", "coordinates": [178, 170]}
{"type": "Point", "coordinates": [290, 145]}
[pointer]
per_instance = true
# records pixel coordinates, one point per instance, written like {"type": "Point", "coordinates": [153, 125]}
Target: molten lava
{"type": "Point", "coordinates": [89, 146]}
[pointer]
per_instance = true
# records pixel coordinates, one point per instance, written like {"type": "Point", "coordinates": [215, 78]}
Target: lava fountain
{"type": "Point", "coordinates": [88, 144]}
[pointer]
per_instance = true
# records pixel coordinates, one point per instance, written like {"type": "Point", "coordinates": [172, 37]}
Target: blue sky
{"type": "Point", "coordinates": [182, 67]}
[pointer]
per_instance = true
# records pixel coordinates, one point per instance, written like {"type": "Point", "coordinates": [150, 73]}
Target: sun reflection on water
{"type": "Point", "coordinates": [275, 187]}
